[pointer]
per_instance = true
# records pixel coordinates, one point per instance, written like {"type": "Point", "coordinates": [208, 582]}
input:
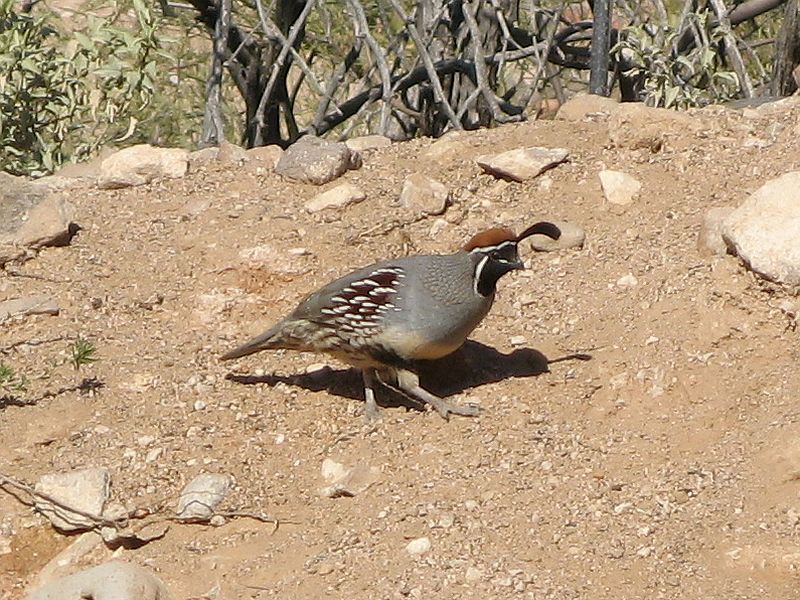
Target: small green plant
{"type": "Point", "coordinates": [672, 80]}
{"type": "Point", "coordinates": [11, 383]}
{"type": "Point", "coordinates": [82, 352]}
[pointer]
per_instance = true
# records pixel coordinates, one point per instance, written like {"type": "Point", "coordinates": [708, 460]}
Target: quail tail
{"type": "Point", "coordinates": [270, 339]}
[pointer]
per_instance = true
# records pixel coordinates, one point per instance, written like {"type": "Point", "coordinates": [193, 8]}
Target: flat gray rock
{"type": "Point", "coordinates": [424, 195]}
{"type": "Point", "coordinates": [314, 160]}
{"type": "Point", "coordinates": [572, 236]}
{"type": "Point", "coordinates": [522, 164]}
{"type": "Point", "coordinates": [110, 581]}
{"type": "Point", "coordinates": [31, 305]}
{"type": "Point", "coordinates": [30, 218]}
{"type": "Point", "coordinates": [85, 490]}
{"type": "Point", "coordinates": [142, 164]}
{"type": "Point", "coordinates": [765, 230]}
{"type": "Point", "coordinates": [339, 197]}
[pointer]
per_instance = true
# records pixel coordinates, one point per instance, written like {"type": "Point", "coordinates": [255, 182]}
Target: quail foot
{"type": "Point", "coordinates": [383, 317]}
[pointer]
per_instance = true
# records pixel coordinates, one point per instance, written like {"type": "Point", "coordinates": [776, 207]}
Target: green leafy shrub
{"type": "Point", "coordinates": [671, 80]}
{"type": "Point", "coordinates": [62, 96]}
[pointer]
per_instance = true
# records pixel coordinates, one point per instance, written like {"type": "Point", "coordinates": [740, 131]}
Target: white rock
{"type": "Point", "coordinates": [628, 281]}
{"type": "Point", "coordinates": [110, 581]}
{"type": "Point", "coordinates": [518, 340]}
{"type": "Point", "coordinates": [142, 164]}
{"type": "Point", "coordinates": [332, 470]}
{"type": "Point", "coordinates": [419, 546]}
{"type": "Point", "coordinates": [523, 163]}
{"type": "Point", "coordinates": [344, 481]}
{"type": "Point", "coordinates": [338, 197]}
{"type": "Point", "coordinates": [618, 187]}
{"type": "Point", "coordinates": [85, 490]}
{"type": "Point", "coordinates": [423, 195]}
{"type": "Point", "coordinates": [202, 495]}
{"type": "Point", "coordinates": [765, 230]}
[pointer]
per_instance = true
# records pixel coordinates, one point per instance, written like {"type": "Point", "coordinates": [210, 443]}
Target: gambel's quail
{"type": "Point", "coordinates": [384, 317]}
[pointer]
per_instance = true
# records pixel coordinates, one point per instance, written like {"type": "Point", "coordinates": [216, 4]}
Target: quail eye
{"type": "Point", "coordinates": [496, 255]}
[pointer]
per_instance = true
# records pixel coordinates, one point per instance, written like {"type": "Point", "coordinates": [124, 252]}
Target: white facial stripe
{"type": "Point", "coordinates": [477, 278]}
{"type": "Point", "coordinates": [497, 247]}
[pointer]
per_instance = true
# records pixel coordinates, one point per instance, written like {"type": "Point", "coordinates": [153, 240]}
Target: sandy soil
{"type": "Point", "coordinates": [665, 466]}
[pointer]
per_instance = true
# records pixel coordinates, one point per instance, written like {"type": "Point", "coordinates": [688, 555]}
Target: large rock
{"type": "Point", "coordinates": [142, 164]}
{"type": "Point", "coordinates": [314, 160]}
{"type": "Point", "coordinates": [110, 581]}
{"type": "Point", "coordinates": [85, 490]}
{"type": "Point", "coordinates": [31, 218]}
{"type": "Point", "coordinates": [522, 164]}
{"type": "Point", "coordinates": [765, 230]}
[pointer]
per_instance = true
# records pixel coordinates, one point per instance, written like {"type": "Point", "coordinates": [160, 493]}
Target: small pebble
{"type": "Point", "coordinates": [473, 574]}
{"type": "Point", "coordinates": [419, 546]}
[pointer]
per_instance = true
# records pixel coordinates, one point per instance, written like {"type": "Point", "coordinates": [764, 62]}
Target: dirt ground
{"type": "Point", "coordinates": [667, 465]}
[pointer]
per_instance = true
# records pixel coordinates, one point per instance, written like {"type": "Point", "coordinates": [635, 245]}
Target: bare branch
{"type": "Point", "coordinates": [732, 49]}
{"type": "Point", "coordinates": [277, 66]}
{"type": "Point", "coordinates": [480, 65]}
{"type": "Point", "coordinates": [213, 132]}
{"type": "Point", "coordinates": [438, 92]}
{"type": "Point", "coordinates": [362, 30]}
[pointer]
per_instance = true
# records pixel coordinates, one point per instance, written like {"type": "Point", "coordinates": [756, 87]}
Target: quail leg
{"type": "Point", "coordinates": [371, 410]}
{"type": "Point", "coordinates": [408, 382]}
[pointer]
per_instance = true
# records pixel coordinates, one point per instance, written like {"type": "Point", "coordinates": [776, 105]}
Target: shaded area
{"type": "Point", "coordinates": [471, 366]}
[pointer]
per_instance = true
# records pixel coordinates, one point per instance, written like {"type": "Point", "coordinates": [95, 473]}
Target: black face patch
{"type": "Point", "coordinates": [504, 253]}
{"type": "Point", "coordinates": [495, 261]}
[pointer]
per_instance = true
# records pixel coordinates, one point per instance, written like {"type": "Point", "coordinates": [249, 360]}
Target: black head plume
{"type": "Point", "coordinates": [542, 228]}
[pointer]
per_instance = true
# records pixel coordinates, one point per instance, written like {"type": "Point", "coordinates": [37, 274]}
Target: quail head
{"type": "Point", "coordinates": [383, 317]}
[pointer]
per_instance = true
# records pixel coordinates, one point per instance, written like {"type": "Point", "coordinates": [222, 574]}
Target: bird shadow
{"type": "Point", "coordinates": [473, 365]}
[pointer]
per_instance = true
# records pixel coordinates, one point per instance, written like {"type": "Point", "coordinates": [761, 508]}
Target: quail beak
{"type": "Point", "coordinates": [518, 265]}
